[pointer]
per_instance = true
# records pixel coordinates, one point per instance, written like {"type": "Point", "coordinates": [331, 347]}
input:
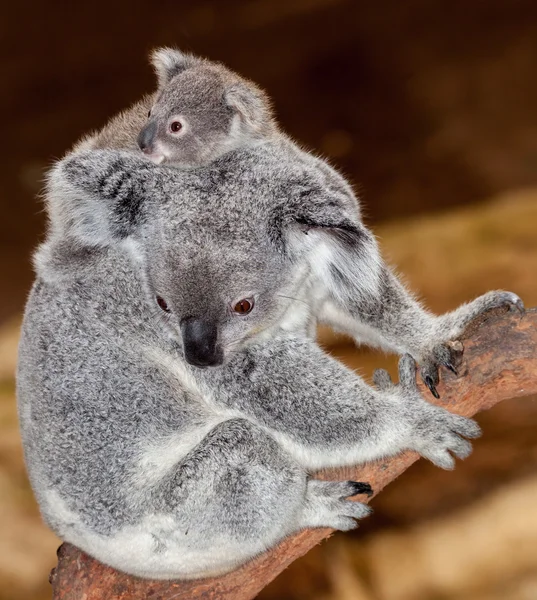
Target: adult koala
{"type": "Point", "coordinates": [162, 468]}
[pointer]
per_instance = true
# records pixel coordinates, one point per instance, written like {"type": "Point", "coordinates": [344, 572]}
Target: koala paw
{"type": "Point", "coordinates": [436, 433]}
{"type": "Point", "coordinates": [327, 504]}
{"type": "Point", "coordinates": [447, 352]}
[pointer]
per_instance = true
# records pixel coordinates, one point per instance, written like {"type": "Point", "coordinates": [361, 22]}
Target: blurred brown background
{"type": "Point", "coordinates": [430, 108]}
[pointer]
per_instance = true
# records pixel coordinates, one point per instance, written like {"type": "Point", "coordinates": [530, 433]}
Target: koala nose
{"type": "Point", "coordinates": [200, 342]}
{"type": "Point", "coordinates": [146, 137]}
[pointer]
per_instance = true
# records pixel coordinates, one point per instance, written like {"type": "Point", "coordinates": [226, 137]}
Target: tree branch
{"type": "Point", "coordinates": [499, 362]}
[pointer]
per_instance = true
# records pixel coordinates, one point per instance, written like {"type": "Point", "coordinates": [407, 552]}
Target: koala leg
{"type": "Point", "coordinates": [233, 496]}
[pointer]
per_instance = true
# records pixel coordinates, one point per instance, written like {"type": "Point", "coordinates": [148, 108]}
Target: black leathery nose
{"type": "Point", "coordinates": [200, 337]}
{"type": "Point", "coordinates": [147, 136]}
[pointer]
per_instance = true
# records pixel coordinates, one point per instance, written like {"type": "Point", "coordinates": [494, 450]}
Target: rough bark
{"type": "Point", "coordinates": [499, 362]}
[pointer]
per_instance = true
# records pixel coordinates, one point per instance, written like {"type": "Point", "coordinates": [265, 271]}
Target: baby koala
{"type": "Point", "coordinates": [201, 111]}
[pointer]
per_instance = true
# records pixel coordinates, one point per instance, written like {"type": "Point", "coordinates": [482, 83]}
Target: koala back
{"type": "Point", "coordinates": [121, 131]}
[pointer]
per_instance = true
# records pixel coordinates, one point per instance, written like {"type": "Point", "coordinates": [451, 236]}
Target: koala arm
{"type": "Point", "coordinates": [326, 416]}
{"type": "Point", "coordinates": [357, 292]}
{"type": "Point", "coordinates": [366, 300]}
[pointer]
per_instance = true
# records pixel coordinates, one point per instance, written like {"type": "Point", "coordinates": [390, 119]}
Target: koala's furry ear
{"type": "Point", "coordinates": [341, 251]}
{"type": "Point", "coordinates": [323, 212]}
{"type": "Point", "coordinates": [252, 104]}
{"type": "Point", "coordinates": [98, 197]}
{"type": "Point", "coordinates": [168, 62]}
{"type": "Point", "coordinates": [303, 227]}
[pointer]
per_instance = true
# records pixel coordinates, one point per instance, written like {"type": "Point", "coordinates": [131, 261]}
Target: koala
{"type": "Point", "coordinates": [200, 111]}
{"type": "Point", "coordinates": [170, 418]}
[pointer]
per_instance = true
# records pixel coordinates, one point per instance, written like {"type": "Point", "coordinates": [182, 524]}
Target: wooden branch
{"type": "Point", "coordinates": [499, 362]}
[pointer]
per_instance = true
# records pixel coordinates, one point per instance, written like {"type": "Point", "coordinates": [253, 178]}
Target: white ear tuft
{"type": "Point", "coordinates": [168, 62]}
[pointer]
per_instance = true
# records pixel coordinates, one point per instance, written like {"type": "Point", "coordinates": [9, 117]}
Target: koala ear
{"type": "Point", "coordinates": [251, 104]}
{"type": "Point", "coordinates": [324, 209]}
{"type": "Point", "coordinates": [98, 197]}
{"type": "Point", "coordinates": [341, 252]}
{"type": "Point", "coordinates": [301, 228]}
{"type": "Point", "coordinates": [168, 62]}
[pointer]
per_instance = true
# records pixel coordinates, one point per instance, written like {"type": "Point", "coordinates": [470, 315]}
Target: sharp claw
{"type": "Point", "coordinates": [361, 488]}
{"type": "Point", "coordinates": [452, 368]}
{"type": "Point", "coordinates": [518, 305]}
{"type": "Point", "coordinates": [430, 384]}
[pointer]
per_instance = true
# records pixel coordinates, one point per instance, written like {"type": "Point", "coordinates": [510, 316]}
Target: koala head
{"type": "Point", "coordinates": [202, 110]}
{"type": "Point", "coordinates": [222, 251]}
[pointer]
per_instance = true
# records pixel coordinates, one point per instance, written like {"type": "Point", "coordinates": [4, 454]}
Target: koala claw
{"type": "Point", "coordinates": [518, 306]}
{"type": "Point", "coordinates": [428, 380]}
{"type": "Point", "coordinates": [512, 300]}
{"type": "Point", "coordinates": [361, 488]}
{"type": "Point", "coordinates": [452, 368]}
{"type": "Point", "coordinates": [327, 504]}
{"type": "Point", "coordinates": [338, 489]}
{"type": "Point", "coordinates": [492, 300]}
{"type": "Point", "coordinates": [445, 355]}
{"type": "Point", "coordinates": [443, 435]}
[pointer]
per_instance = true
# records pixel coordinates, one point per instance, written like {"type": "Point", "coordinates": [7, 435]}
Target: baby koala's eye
{"type": "Point", "coordinates": [162, 303]}
{"type": "Point", "coordinates": [244, 306]}
{"type": "Point", "coordinates": [176, 126]}
{"type": "Point", "coordinates": [149, 113]}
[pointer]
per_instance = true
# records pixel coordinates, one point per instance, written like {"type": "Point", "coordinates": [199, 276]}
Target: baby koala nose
{"type": "Point", "coordinates": [200, 342]}
{"type": "Point", "coordinates": [146, 137]}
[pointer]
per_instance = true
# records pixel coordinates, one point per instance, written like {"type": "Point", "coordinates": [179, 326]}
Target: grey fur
{"type": "Point", "coordinates": [160, 468]}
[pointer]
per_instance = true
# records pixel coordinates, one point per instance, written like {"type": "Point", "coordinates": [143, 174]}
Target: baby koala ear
{"type": "Point", "coordinates": [252, 105]}
{"type": "Point", "coordinates": [168, 62]}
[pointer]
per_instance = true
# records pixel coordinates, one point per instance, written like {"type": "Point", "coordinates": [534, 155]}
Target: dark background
{"type": "Point", "coordinates": [422, 104]}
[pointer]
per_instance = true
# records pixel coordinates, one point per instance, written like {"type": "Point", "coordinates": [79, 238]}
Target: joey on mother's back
{"type": "Point", "coordinates": [200, 111]}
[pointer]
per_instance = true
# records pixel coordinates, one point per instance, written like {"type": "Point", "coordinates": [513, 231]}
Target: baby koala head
{"type": "Point", "coordinates": [202, 110]}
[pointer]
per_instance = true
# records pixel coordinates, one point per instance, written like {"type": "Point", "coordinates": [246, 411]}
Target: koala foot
{"type": "Point", "coordinates": [436, 433]}
{"type": "Point", "coordinates": [327, 504]}
{"type": "Point", "coordinates": [447, 352]}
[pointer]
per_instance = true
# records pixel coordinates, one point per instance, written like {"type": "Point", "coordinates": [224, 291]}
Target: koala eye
{"type": "Point", "coordinates": [149, 113]}
{"type": "Point", "coordinates": [162, 303]}
{"type": "Point", "coordinates": [176, 126]}
{"type": "Point", "coordinates": [244, 306]}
